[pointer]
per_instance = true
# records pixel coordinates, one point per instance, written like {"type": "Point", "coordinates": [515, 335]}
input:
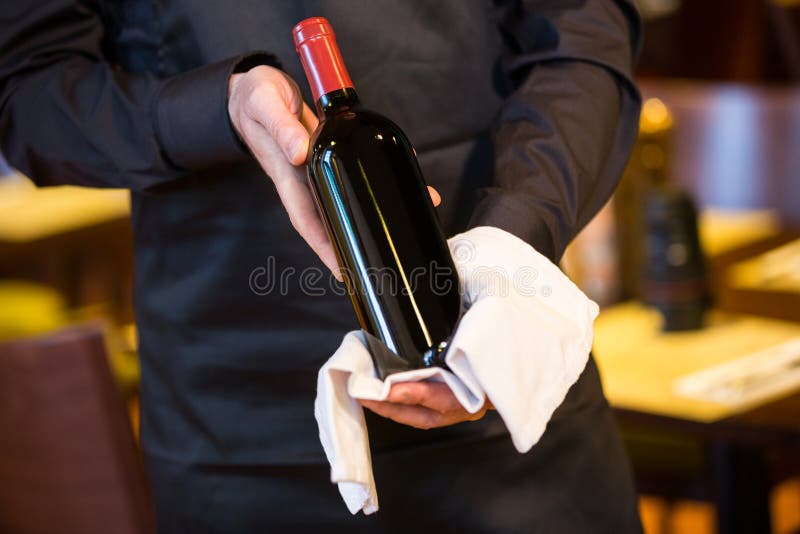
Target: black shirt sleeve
{"type": "Point", "coordinates": [67, 116]}
{"type": "Point", "coordinates": [564, 135]}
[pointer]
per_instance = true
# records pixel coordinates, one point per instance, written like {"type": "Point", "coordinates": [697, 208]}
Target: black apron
{"type": "Point", "coordinates": [576, 479]}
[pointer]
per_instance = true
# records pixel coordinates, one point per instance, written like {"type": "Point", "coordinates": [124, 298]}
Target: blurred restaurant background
{"type": "Point", "coordinates": [695, 262]}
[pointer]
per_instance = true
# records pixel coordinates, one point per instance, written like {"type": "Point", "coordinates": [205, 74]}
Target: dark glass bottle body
{"type": "Point", "coordinates": [397, 266]}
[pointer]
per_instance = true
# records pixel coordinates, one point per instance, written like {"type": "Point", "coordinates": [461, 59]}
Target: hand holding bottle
{"type": "Point", "coordinates": [424, 405]}
{"type": "Point", "coordinates": [268, 113]}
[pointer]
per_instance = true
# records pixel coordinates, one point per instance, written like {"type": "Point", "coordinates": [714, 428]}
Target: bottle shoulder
{"type": "Point", "coordinates": [356, 123]}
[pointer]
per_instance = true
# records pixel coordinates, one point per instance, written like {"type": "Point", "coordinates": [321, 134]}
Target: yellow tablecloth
{"type": "Point", "coordinates": [640, 364]}
{"type": "Point", "coordinates": [28, 213]}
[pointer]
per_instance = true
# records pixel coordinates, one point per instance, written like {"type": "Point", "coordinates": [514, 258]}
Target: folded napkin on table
{"type": "Point", "coordinates": [523, 342]}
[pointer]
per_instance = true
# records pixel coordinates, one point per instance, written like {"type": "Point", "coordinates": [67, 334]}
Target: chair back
{"type": "Point", "coordinates": [68, 459]}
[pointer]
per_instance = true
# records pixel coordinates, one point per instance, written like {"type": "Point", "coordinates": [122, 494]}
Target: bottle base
{"type": "Point", "coordinates": [387, 362]}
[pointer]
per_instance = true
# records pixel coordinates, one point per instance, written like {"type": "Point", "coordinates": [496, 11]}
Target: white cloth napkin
{"type": "Point", "coordinates": [523, 342]}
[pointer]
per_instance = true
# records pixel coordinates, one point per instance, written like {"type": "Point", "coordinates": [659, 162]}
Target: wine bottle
{"type": "Point", "coordinates": [379, 216]}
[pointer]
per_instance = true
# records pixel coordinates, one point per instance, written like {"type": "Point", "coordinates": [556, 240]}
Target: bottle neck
{"type": "Point", "coordinates": [322, 62]}
{"type": "Point", "coordinates": [336, 102]}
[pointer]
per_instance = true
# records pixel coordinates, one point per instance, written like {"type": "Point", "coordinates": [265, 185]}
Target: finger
{"type": "Point", "coordinates": [292, 95]}
{"type": "Point", "coordinates": [281, 122]}
{"type": "Point", "coordinates": [432, 395]}
{"type": "Point", "coordinates": [416, 416]}
{"type": "Point", "coordinates": [299, 203]}
{"type": "Point", "coordinates": [292, 187]}
{"type": "Point", "coordinates": [435, 196]}
{"type": "Point", "coordinates": [479, 414]}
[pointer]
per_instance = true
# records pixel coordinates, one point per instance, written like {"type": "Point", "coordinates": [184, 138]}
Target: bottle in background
{"type": "Point", "coordinates": [674, 278]}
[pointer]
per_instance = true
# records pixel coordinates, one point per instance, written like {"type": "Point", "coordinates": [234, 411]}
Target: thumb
{"type": "Point", "coordinates": [287, 131]}
{"type": "Point", "coordinates": [278, 110]}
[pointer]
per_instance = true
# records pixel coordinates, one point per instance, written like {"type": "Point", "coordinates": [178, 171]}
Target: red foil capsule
{"type": "Point", "coordinates": [322, 62]}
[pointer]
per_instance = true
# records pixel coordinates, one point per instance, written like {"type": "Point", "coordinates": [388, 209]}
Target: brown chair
{"type": "Point", "coordinates": [68, 460]}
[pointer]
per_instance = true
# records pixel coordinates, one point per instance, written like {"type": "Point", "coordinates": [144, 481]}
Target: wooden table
{"type": "Point", "coordinates": [28, 213]}
{"type": "Point", "coordinates": [641, 365]}
{"type": "Point", "coordinates": [734, 147]}
{"type": "Point", "coordinates": [691, 448]}
{"type": "Point", "coordinates": [75, 239]}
